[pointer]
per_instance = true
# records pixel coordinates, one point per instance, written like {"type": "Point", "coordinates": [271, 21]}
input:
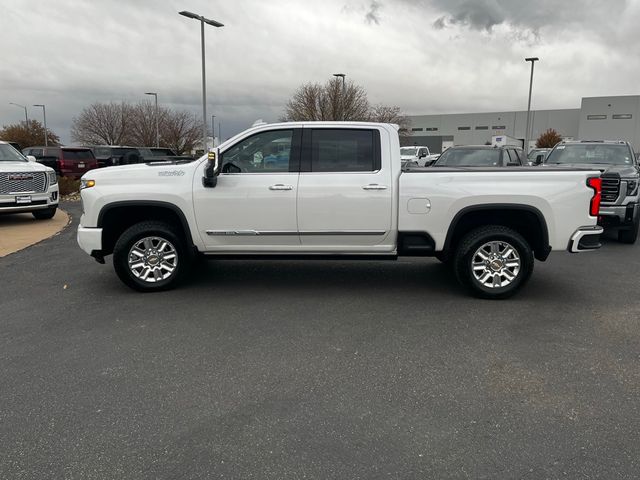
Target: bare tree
{"type": "Point", "coordinates": [142, 129]}
{"type": "Point", "coordinates": [181, 131]}
{"type": "Point", "coordinates": [331, 101]}
{"type": "Point", "coordinates": [388, 114]}
{"type": "Point", "coordinates": [103, 123]}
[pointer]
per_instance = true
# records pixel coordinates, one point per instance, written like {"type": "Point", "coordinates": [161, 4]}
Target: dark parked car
{"type": "Point", "coordinates": [481, 156]}
{"type": "Point", "coordinates": [110, 155]}
{"type": "Point", "coordinates": [66, 161]}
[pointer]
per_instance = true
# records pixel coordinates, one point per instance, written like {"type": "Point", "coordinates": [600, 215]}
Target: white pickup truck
{"type": "Point", "coordinates": [333, 189]}
{"type": "Point", "coordinates": [421, 156]}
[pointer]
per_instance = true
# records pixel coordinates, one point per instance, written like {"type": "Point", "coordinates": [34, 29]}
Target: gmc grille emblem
{"type": "Point", "coordinates": [20, 176]}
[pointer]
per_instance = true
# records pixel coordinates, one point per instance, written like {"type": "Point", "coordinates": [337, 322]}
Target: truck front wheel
{"type": "Point", "coordinates": [44, 214]}
{"type": "Point", "coordinates": [493, 262]}
{"type": "Point", "coordinates": [150, 256]}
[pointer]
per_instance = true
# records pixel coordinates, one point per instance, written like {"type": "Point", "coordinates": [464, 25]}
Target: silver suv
{"type": "Point", "coordinates": [620, 176]}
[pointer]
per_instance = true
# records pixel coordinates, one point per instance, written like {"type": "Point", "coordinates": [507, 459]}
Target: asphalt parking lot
{"type": "Point", "coordinates": [318, 370]}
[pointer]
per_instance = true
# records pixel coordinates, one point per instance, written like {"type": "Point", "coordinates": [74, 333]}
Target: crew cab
{"type": "Point", "coordinates": [26, 186]}
{"type": "Point", "coordinates": [341, 193]}
{"type": "Point", "coordinates": [616, 160]}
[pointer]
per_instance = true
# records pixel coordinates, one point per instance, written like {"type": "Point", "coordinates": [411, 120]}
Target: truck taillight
{"type": "Point", "coordinates": [596, 184]}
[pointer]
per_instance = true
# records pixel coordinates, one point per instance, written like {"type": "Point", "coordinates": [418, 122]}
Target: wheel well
{"type": "Point", "coordinates": [116, 219]}
{"type": "Point", "coordinates": [529, 223]}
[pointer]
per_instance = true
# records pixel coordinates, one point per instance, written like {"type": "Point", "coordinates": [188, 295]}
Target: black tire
{"type": "Point", "coordinates": [444, 257]}
{"type": "Point", "coordinates": [470, 245]}
{"type": "Point", "coordinates": [156, 230]}
{"type": "Point", "coordinates": [629, 235]}
{"type": "Point", "coordinates": [44, 214]}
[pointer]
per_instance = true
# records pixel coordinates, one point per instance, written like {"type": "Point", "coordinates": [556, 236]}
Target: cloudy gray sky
{"type": "Point", "coordinates": [427, 56]}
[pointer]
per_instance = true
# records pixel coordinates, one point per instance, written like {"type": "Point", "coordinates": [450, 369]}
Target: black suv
{"type": "Point", "coordinates": [481, 156]}
{"type": "Point", "coordinates": [620, 175]}
{"type": "Point", "coordinates": [109, 155]}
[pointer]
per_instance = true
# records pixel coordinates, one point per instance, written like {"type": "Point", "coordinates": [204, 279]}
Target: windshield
{"type": "Point", "coordinates": [10, 154]}
{"type": "Point", "coordinates": [606, 154]}
{"type": "Point", "coordinates": [408, 151]}
{"type": "Point", "coordinates": [468, 157]}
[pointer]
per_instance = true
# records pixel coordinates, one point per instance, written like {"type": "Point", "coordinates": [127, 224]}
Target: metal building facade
{"type": "Point", "coordinates": [599, 118]}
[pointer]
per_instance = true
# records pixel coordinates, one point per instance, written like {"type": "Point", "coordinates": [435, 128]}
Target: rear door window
{"type": "Point", "coordinates": [342, 150]}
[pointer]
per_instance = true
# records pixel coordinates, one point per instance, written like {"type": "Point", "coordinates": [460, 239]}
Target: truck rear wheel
{"type": "Point", "coordinates": [493, 262]}
{"type": "Point", "coordinates": [150, 256]}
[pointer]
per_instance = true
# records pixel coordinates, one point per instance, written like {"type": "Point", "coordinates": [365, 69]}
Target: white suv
{"type": "Point", "coordinates": [26, 186]}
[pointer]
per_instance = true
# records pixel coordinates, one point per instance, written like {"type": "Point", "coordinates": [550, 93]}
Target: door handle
{"type": "Point", "coordinates": [280, 186]}
{"type": "Point", "coordinates": [374, 186]}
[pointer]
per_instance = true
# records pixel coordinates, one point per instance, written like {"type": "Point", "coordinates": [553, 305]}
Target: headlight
{"type": "Point", "coordinates": [87, 184]}
{"type": "Point", "coordinates": [632, 187]}
{"type": "Point", "coordinates": [53, 178]}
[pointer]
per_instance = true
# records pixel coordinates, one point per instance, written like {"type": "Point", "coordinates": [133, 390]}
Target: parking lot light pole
{"type": "Point", "coordinates": [213, 130]}
{"type": "Point", "coordinates": [533, 60]}
{"type": "Point", "coordinates": [341, 75]}
{"type": "Point", "coordinates": [44, 115]}
{"type": "Point", "coordinates": [213, 23]}
{"type": "Point", "coordinates": [156, 115]}
{"type": "Point", "coordinates": [26, 118]}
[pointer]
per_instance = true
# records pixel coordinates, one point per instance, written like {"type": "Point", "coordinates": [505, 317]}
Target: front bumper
{"type": "Point", "coordinates": [585, 239]}
{"type": "Point", "coordinates": [618, 215]}
{"type": "Point", "coordinates": [39, 201]}
{"type": "Point", "coordinates": [90, 239]}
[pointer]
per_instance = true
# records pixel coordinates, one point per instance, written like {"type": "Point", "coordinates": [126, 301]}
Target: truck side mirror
{"type": "Point", "coordinates": [212, 169]}
{"type": "Point", "coordinates": [31, 158]}
{"type": "Point", "coordinates": [539, 159]}
{"type": "Point", "coordinates": [422, 154]}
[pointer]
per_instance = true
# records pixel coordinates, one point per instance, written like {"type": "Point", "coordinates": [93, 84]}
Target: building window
{"type": "Point", "coordinates": [416, 129]}
{"type": "Point", "coordinates": [499, 127]}
{"type": "Point", "coordinates": [596, 117]}
{"type": "Point", "coordinates": [622, 116]}
{"type": "Point", "coordinates": [482, 127]}
{"type": "Point", "coordinates": [464, 128]}
{"type": "Point", "coordinates": [431, 129]}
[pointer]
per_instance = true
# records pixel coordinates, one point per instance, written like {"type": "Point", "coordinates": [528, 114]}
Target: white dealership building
{"type": "Point", "coordinates": [598, 118]}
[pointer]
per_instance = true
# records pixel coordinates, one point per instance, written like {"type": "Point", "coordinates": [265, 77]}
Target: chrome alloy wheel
{"type": "Point", "coordinates": [496, 264]}
{"type": "Point", "coordinates": [152, 259]}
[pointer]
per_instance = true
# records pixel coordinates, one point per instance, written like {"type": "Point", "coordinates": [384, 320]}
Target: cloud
{"type": "Point", "coordinates": [427, 56]}
{"type": "Point", "coordinates": [480, 14]}
{"type": "Point", "coordinates": [373, 15]}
